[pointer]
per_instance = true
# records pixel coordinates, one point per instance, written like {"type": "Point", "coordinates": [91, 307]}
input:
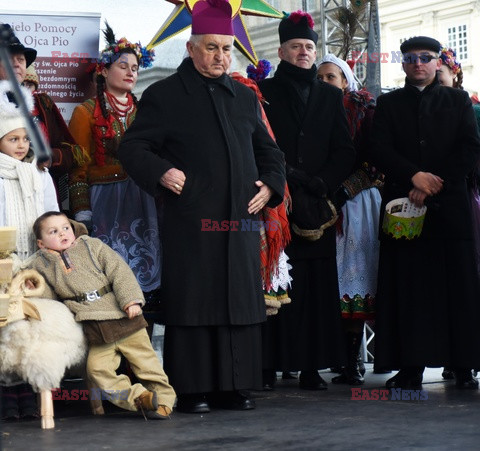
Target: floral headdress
{"type": "Point", "coordinates": [449, 58]}
{"type": "Point", "coordinates": [110, 53]}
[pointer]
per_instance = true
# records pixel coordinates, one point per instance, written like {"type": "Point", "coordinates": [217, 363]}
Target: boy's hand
{"type": "Point", "coordinates": [133, 310]}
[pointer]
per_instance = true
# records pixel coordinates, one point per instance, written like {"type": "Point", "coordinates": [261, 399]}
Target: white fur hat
{"type": "Point", "coordinates": [11, 117]}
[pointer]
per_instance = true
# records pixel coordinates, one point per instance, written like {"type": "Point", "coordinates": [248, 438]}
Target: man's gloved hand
{"type": "Point", "coordinates": [340, 197]}
{"type": "Point", "coordinates": [314, 184]}
{"type": "Point", "coordinates": [317, 186]}
{"type": "Point", "coordinates": [297, 177]}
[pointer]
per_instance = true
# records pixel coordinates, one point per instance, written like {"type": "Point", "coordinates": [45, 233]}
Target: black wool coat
{"type": "Point", "coordinates": [433, 131]}
{"type": "Point", "coordinates": [427, 297]}
{"type": "Point", "coordinates": [211, 129]}
{"type": "Point", "coordinates": [318, 143]}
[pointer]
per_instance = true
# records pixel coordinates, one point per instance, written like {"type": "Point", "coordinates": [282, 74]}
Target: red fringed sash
{"type": "Point", "coordinates": [273, 240]}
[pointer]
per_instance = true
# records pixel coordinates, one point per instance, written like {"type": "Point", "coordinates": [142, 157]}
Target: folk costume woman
{"type": "Point", "coordinates": [450, 73]}
{"type": "Point", "coordinates": [121, 214]}
{"type": "Point", "coordinates": [357, 231]}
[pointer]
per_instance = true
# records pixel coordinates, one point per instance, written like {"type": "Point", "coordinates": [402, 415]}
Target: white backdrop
{"type": "Point", "coordinates": [66, 45]}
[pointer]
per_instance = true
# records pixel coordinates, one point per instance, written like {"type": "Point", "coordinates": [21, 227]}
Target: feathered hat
{"type": "Point", "coordinates": [113, 49]}
{"type": "Point", "coordinates": [11, 117]}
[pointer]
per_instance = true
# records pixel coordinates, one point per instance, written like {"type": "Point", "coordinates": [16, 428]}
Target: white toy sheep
{"type": "Point", "coordinates": [39, 340]}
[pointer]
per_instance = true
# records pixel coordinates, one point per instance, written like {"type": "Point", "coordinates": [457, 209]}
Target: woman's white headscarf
{"type": "Point", "coordinates": [345, 68]}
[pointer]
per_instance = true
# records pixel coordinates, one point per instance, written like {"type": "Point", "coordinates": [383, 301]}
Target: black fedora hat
{"type": "Point", "coordinates": [14, 45]}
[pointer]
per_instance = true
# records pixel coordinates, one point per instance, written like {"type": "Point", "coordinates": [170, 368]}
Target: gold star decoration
{"type": "Point", "coordinates": [181, 18]}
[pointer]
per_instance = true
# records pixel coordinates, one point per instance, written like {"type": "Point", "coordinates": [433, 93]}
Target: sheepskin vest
{"type": "Point", "coordinates": [88, 265]}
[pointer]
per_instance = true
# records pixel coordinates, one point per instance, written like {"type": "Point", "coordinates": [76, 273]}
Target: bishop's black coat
{"type": "Point", "coordinates": [210, 129]}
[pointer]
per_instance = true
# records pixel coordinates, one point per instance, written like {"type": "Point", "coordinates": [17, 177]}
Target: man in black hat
{"type": "Point", "coordinates": [425, 141]}
{"type": "Point", "coordinates": [21, 56]}
{"type": "Point", "coordinates": [308, 120]}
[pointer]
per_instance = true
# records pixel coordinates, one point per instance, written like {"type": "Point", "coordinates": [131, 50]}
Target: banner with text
{"type": "Point", "coordinates": [66, 45]}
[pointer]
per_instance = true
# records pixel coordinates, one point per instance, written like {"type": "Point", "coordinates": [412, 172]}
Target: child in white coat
{"type": "Point", "coordinates": [25, 193]}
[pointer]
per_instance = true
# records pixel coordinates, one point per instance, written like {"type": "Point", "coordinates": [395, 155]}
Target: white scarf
{"type": "Point", "coordinates": [23, 200]}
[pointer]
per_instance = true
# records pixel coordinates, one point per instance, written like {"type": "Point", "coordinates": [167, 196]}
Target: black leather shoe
{"type": "Point", "coordinates": [288, 375]}
{"type": "Point", "coordinates": [349, 376]}
{"type": "Point", "coordinates": [361, 366]}
{"type": "Point", "coordinates": [406, 380]}
{"type": "Point", "coordinates": [232, 400]}
{"type": "Point", "coordinates": [268, 379]}
{"type": "Point", "coordinates": [192, 403]}
{"type": "Point", "coordinates": [465, 379]}
{"type": "Point", "coordinates": [311, 380]}
{"type": "Point", "coordinates": [448, 373]}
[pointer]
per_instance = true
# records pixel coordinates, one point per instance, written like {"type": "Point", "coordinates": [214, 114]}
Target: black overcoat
{"type": "Point", "coordinates": [428, 290]}
{"type": "Point", "coordinates": [315, 139]}
{"type": "Point", "coordinates": [433, 131]}
{"type": "Point", "coordinates": [318, 143]}
{"type": "Point", "coordinates": [212, 131]}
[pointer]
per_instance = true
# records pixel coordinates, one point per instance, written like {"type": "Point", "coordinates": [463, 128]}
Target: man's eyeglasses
{"type": "Point", "coordinates": [411, 58]}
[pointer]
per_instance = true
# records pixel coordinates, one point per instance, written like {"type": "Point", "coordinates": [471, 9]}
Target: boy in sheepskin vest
{"type": "Point", "coordinates": [102, 292]}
